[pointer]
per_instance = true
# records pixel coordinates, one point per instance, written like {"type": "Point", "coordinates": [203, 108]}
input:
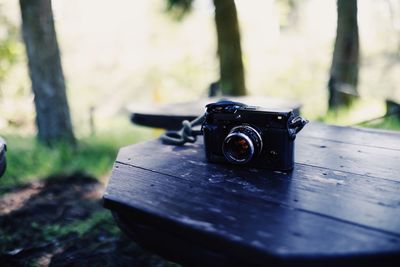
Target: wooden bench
{"type": "Point", "coordinates": [170, 116]}
{"type": "Point", "coordinates": [340, 206]}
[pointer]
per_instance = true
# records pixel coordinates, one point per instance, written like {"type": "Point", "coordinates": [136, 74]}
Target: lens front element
{"type": "Point", "coordinates": [242, 144]}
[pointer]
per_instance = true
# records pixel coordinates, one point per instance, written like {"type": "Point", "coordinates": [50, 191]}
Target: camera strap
{"type": "Point", "coordinates": [296, 125]}
{"type": "Point", "coordinates": [185, 135]}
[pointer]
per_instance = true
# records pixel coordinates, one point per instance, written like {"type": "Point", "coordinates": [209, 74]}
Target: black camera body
{"type": "Point", "coordinates": [251, 136]}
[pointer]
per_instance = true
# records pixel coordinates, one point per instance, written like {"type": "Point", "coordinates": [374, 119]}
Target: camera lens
{"type": "Point", "coordinates": [242, 144]}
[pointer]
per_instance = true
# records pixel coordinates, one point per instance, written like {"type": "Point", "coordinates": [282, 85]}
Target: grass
{"type": "Point", "coordinates": [80, 227]}
{"type": "Point", "coordinates": [28, 160]}
{"type": "Point", "coordinates": [363, 113]}
{"type": "Point", "coordinates": [389, 123]}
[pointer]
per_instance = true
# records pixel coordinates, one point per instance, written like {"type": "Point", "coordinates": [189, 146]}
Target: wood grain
{"type": "Point", "coordinates": [240, 218]}
{"type": "Point", "coordinates": [319, 190]}
{"type": "Point", "coordinates": [353, 135]}
{"type": "Point", "coordinates": [339, 205]}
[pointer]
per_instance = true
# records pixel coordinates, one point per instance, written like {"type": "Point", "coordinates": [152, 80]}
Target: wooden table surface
{"type": "Point", "coordinates": [339, 206]}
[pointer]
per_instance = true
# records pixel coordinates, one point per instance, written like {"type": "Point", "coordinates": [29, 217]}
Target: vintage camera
{"type": "Point", "coordinates": [252, 136]}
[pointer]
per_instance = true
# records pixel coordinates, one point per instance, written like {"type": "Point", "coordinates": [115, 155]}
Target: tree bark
{"type": "Point", "coordinates": [52, 111]}
{"type": "Point", "coordinates": [344, 70]}
{"type": "Point", "coordinates": [232, 81]}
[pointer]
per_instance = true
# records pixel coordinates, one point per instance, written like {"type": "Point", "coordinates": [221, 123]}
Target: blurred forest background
{"type": "Point", "coordinates": [119, 53]}
{"type": "Point", "coordinates": [135, 52]}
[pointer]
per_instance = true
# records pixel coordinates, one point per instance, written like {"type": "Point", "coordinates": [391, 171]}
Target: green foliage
{"type": "Point", "coordinates": [27, 159]}
{"type": "Point", "coordinates": [10, 48]}
{"type": "Point", "coordinates": [39, 234]}
{"type": "Point", "coordinates": [179, 8]}
{"type": "Point", "coordinates": [361, 114]}
{"type": "Point", "coordinates": [389, 123]}
{"type": "Point", "coordinates": [81, 227]}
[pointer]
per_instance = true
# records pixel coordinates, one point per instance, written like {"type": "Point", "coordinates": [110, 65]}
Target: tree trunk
{"type": "Point", "coordinates": [232, 80]}
{"type": "Point", "coordinates": [52, 111]}
{"type": "Point", "coordinates": [344, 71]}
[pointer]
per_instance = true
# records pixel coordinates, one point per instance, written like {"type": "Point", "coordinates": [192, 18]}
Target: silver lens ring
{"type": "Point", "coordinates": [227, 153]}
{"type": "Point", "coordinates": [237, 132]}
{"type": "Point", "coordinates": [248, 127]}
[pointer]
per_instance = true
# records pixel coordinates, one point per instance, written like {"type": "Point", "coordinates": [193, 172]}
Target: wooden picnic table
{"type": "Point", "coordinates": [170, 116]}
{"type": "Point", "coordinates": [340, 206]}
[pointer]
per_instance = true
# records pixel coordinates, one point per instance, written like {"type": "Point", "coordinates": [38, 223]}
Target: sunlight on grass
{"type": "Point", "coordinates": [29, 160]}
{"type": "Point", "coordinates": [365, 112]}
{"type": "Point", "coordinates": [390, 123]}
{"type": "Point", "coordinates": [80, 227]}
{"type": "Point", "coordinates": [361, 110]}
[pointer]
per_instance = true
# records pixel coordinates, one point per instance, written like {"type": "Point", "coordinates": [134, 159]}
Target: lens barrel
{"type": "Point", "coordinates": [242, 144]}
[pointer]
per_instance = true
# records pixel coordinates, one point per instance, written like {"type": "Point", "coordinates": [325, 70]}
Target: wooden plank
{"type": "Point", "coordinates": [340, 204]}
{"type": "Point", "coordinates": [177, 246]}
{"type": "Point", "coordinates": [170, 116]}
{"type": "Point", "coordinates": [197, 107]}
{"type": "Point", "coordinates": [370, 202]}
{"type": "Point", "coordinates": [358, 159]}
{"type": "Point", "coordinates": [353, 135]}
{"type": "Point", "coordinates": [160, 121]}
{"type": "Point", "coordinates": [166, 243]}
{"type": "Point", "coordinates": [224, 216]}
